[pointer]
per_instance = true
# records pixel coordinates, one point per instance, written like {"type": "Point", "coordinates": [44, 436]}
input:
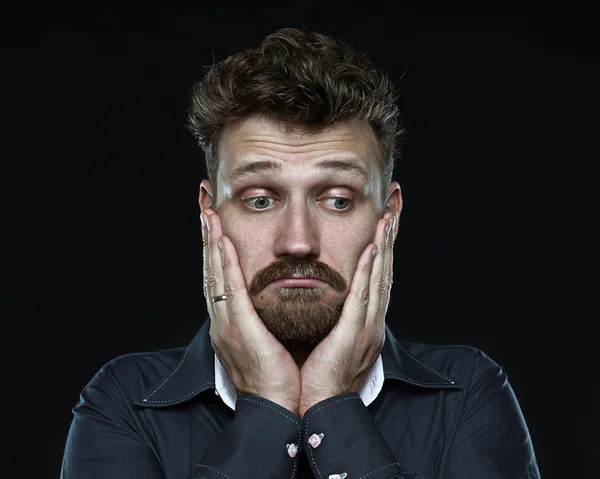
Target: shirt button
{"type": "Point", "coordinates": [292, 449]}
{"type": "Point", "coordinates": [315, 439]}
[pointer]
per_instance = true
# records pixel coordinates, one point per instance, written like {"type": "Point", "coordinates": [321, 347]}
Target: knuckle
{"type": "Point", "coordinates": [212, 279]}
{"type": "Point", "coordinates": [229, 291]}
{"type": "Point", "coordinates": [219, 334]}
{"type": "Point", "coordinates": [226, 263]}
{"type": "Point", "coordinates": [214, 337]}
{"type": "Point", "coordinates": [363, 294]}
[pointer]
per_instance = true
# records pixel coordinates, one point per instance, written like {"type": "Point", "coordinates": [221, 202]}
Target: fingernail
{"type": "Point", "coordinates": [202, 220]}
{"type": "Point", "coordinates": [389, 225]}
{"type": "Point", "coordinates": [374, 250]}
{"type": "Point", "coordinates": [220, 244]}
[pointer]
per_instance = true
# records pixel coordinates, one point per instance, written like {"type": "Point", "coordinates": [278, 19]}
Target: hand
{"type": "Point", "coordinates": [254, 359]}
{"type": "Point", "coordinates": [340, 362]}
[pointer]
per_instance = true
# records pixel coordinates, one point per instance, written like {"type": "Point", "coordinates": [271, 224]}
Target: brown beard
{"type": "Point", "coordinates": [299, 316]}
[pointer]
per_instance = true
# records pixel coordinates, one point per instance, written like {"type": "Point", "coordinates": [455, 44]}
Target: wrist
{"type": "Point", "coordinates": [307, 404]}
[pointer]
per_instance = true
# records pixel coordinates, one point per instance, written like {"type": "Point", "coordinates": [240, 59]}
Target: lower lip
{"type": "Point", "coordinates": [298, 283]}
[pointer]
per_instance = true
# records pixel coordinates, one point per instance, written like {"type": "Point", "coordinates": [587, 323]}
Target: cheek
{"type": "Point", "coordinates": [342, 246]}
{"type": "Point", "coordinates": [254, 245]}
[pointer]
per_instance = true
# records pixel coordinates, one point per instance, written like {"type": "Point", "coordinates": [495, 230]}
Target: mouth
{"type": "Point", "coordinates": [296, 282]}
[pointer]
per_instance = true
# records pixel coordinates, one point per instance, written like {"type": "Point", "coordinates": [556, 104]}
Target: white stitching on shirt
{"type": "Point", "coordinates": [170, 376]}
{"type": "Point", "coordinates": [380, 469]}
{"type": "Point", "coordinates": [306, 429]}
{"type": "Point", "coordinates": [218, 472]}
{"type": "Point", "coordinates": [326, 406]}
{"type": "Point", "coordinates": [285, 416]}
{"type": "Point", "coordinates": [414, 380]}
{"type": "Point", "coordinates": [422, 364]}
{"type": "Point", "coordinates": [180, 397]}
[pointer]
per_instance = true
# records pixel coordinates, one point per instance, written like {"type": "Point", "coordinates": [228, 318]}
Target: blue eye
{"type": "Point", "coordinates": [260, 202]}
{"type": "Point", "coordinates": [339, 203]}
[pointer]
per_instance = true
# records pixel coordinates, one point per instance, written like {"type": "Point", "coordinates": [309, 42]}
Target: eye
{"type": "Point", "coordinates": [339, 203]}
{"type": "Point", "coordinates": [260, 202]}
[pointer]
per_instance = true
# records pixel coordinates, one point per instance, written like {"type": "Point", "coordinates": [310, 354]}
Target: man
{"type": "Point", "coordinates": [295, 374]}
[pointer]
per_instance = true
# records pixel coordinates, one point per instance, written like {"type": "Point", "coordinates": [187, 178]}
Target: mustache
{"type": "Point", "coordinates": [289, 266]}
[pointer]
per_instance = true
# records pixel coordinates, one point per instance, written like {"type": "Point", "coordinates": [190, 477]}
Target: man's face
{"type": "Point", "coordinates": [300, 208]}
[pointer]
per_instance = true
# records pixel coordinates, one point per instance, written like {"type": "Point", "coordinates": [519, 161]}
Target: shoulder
{"type": "Point", "coordinates": [129, 375]}
{"type": "Point", "coordinates": [458, 361]}
{"type": "Point", "coordinates": [440, 353]}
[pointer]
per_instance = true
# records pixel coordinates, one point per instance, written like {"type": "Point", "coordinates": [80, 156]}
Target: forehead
{"type": "Point", "coordinates": [257, 139]}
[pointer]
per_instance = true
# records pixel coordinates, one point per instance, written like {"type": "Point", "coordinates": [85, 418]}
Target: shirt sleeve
{"type": "Point", "coordinates": [341, 440]}
{"type": "Point", "coordinates": [262, 440]}
{"type": "Point", "coordinates": [491, 439]}
{"type": "Point", "coordinates": [102, 440]}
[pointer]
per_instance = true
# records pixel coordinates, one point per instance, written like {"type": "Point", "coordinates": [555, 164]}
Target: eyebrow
{"type": "Point", "coordinates": [256, 167]}
{"type": "Point", "coordinates": [350, 166]}
{"type": "Point", "coordinates": [262, 166]}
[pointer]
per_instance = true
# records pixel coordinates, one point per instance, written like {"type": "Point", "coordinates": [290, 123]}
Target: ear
{"type": "Point", "coordinates": [393, 204]}
{"type": "Point", "coordinates": [205, 197]}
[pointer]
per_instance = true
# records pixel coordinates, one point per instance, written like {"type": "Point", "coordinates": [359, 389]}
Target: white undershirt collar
{"type": "Point", "coordinates": [369, 392]}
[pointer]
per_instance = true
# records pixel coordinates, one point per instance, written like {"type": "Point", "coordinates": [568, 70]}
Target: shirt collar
{"type": "Point", "coordinates": [195, 371]}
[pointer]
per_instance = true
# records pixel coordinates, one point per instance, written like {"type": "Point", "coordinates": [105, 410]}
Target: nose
{"type": "Point", "coordinates": [298, 234]}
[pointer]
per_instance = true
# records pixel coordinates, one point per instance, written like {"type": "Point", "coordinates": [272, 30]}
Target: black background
{"type": "Point", "coordinates": [496, 237]}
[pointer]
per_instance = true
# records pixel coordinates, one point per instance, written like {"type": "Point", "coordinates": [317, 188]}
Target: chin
{"type": "Point", "coordinates": [300, 315]}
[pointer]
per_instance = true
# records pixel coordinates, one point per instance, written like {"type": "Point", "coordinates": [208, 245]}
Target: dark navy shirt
{"type": "Point", "coordinates": [445, 412]}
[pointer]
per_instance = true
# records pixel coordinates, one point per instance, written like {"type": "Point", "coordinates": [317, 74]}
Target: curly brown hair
{"type": "Point", "coordinates": [300, 79]}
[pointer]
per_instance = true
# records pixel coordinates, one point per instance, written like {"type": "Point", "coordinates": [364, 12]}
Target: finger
{"type": "Point", "coordinates": [216, 280]}
{"type": "Point", "coordinates": [355, 307]}
{"type": "Point", "coordinates": [361, 292]}
{"type": "Point", "coordinates": [388, 272]}
{"type": "Point", "coordinates": [206, 264]}
{"type": "Point", "coordinates": [377, 281]}
{"type": "Point", "coordinates": [240, 310]}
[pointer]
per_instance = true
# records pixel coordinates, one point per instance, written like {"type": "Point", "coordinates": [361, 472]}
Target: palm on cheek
{"type": "Point", "coordinates": [254, 360]}
{"type": "Point", "coordinates": [340, 362]}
